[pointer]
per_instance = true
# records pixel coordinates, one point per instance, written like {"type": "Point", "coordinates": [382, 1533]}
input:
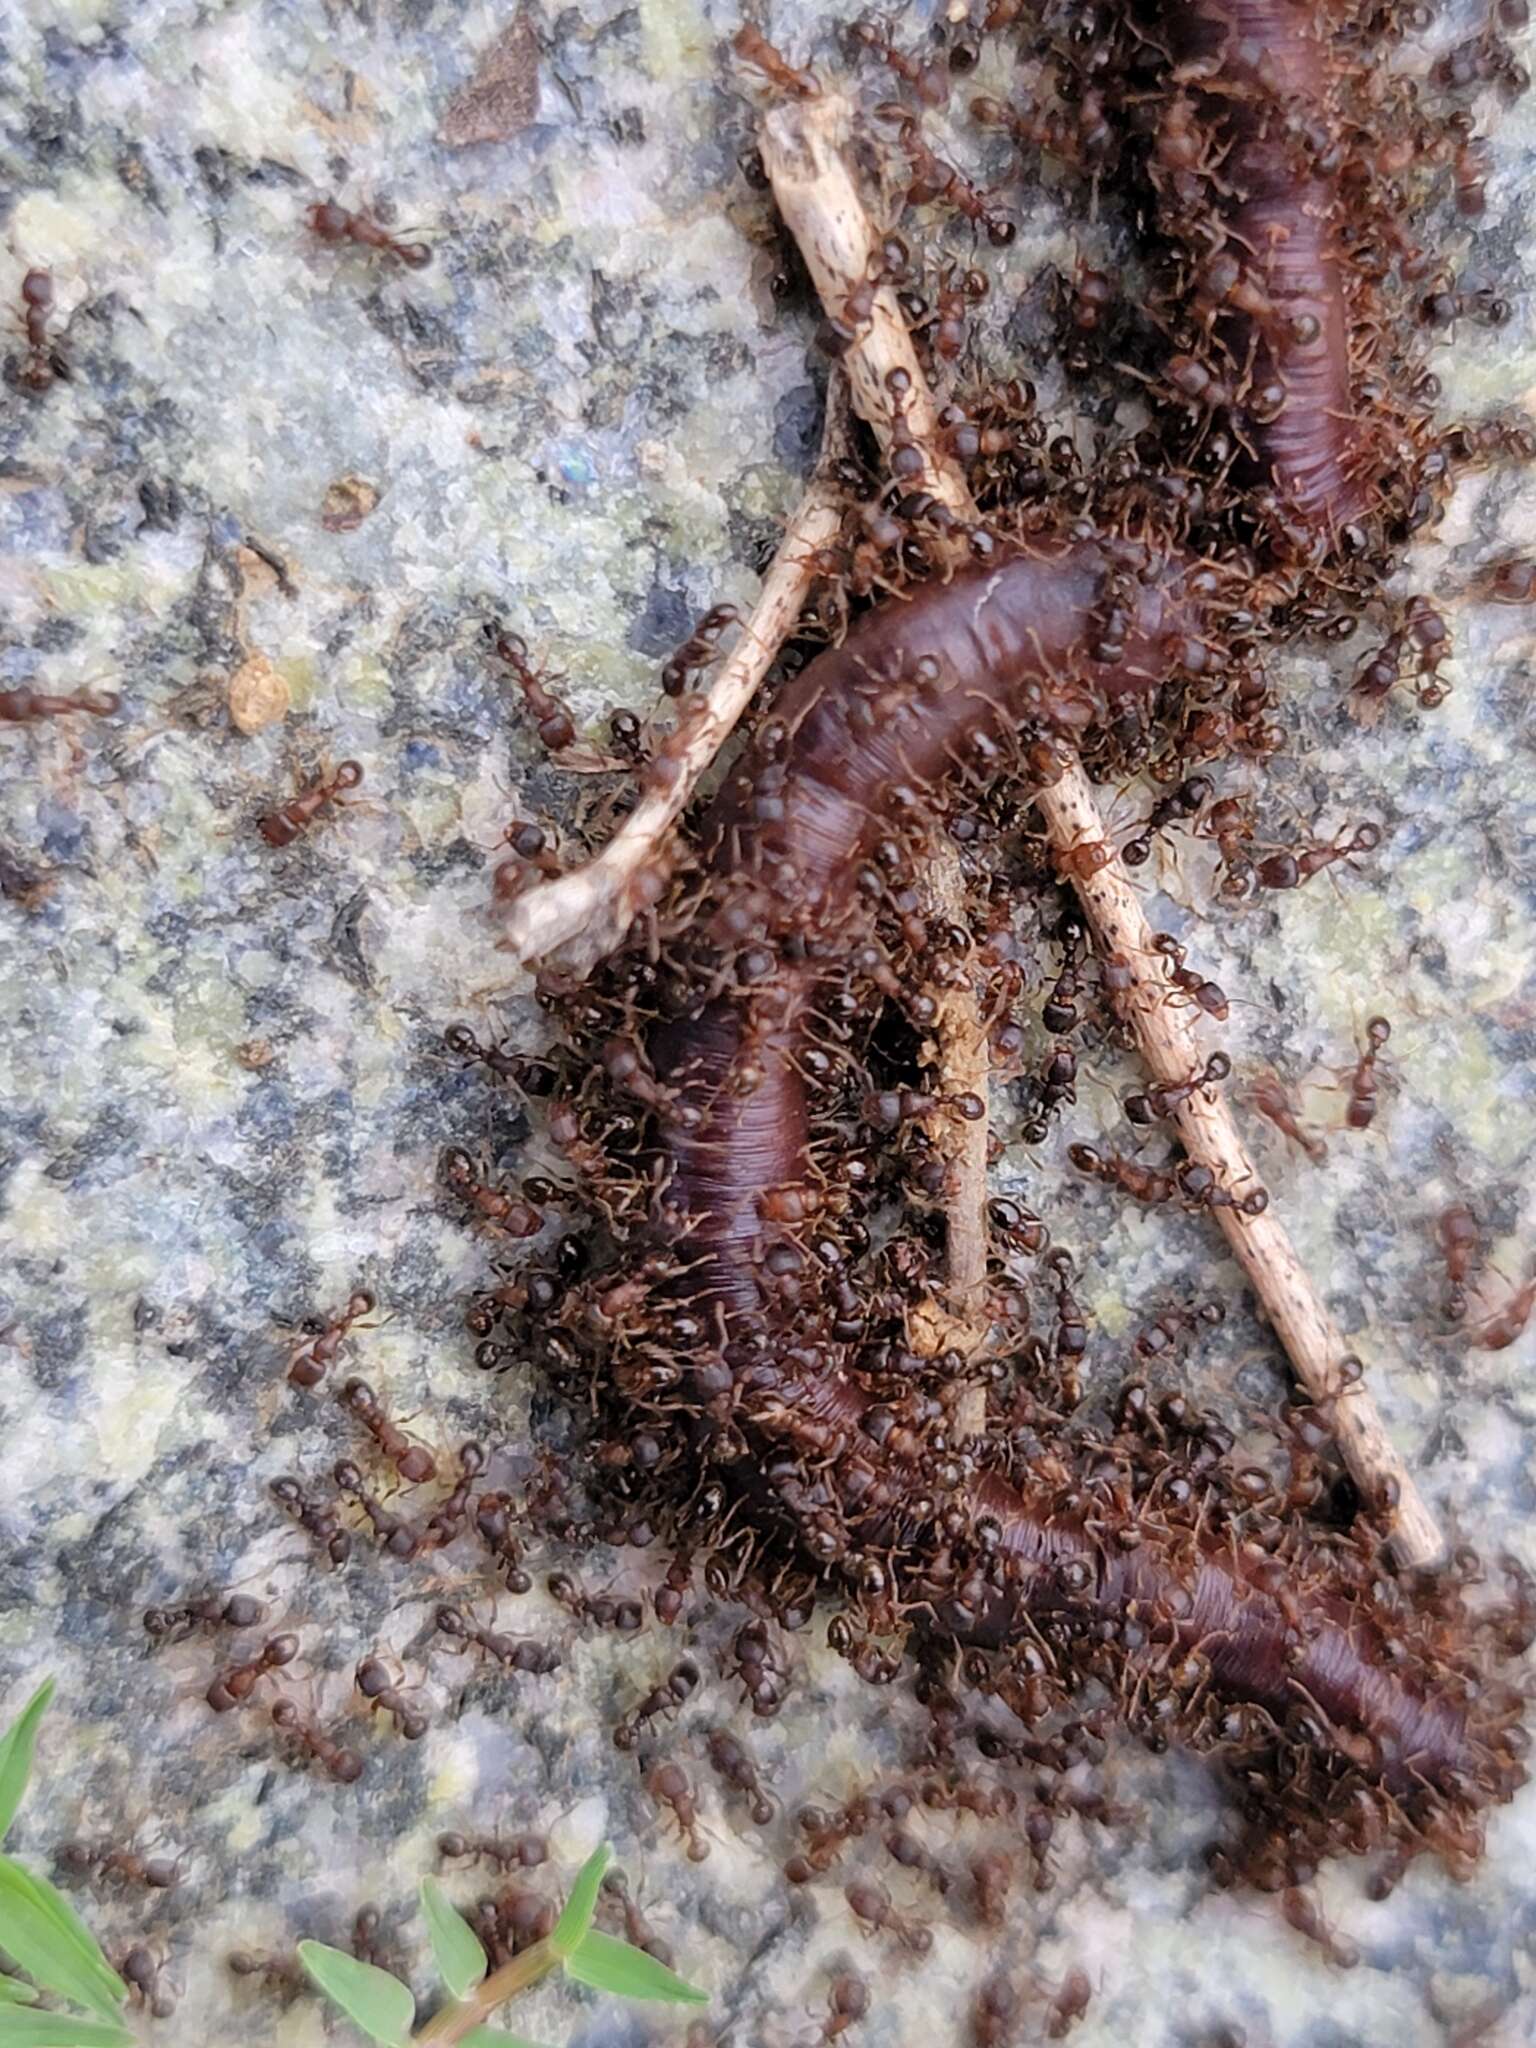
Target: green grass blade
{"type": "Point", "coordinates": [455, 1944]}
{"type": "Point", "coordinates": [495, 2037]}
{"type": "Point", "coordinates": [372, 1999]}
{"type": "Point", "coordinates": [16, 1747]}
{"type": "Point", "coordinates": [42, 1932]}
{"type": "Point", "coordinates": [582, 1904]}
{"type": "Point", "coordinates": [610, 1965]}
{"type": "Point", "coordinates": [21, 2027]}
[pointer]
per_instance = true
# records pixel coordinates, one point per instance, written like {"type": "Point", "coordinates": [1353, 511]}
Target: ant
{"type": "Point", "coordinates": [730, 1761]}
{"type": "Point", "coordinates": [929, 82]}
{"type": "Point", "coordinates": [141, 1972]}
{"type": "Point", "coordinates": [847, 2004]}
{"type": "Point", "coordinates": [517, 1653]}
{"type": "Point", "coordinates": [1268, 1095]}
{"type": "Point", "coordinates": [41, 364]}
{"type": "Point", "coordinates": [1154, 1103]}
{"type": "Point", "coordinates": [385, 1697]}
{"type": "Point", "coordinates": [21, 705]}
{"type": "Point", "coordinates": [1500, 1329]}
{"type": "Point", "coordinates": [366, 1945]}
{"type": "Point", "coordinates": [310, 1364]}
{"type": "Point", "coordinates": [552, 719]}
{"type": "Point", "coordinates": [1068, 2005]}
{"type": "Point", "coordinates": [415, 1464]}
{"type": "Point", "coordinates": [494, 1515]}
{"type": "Point", "coordinates": [395, 1537]}
{"type": "Point", "coordinates": [334, 224]}
{"type": "Point", "coordinates": [637, 1930]}
{"type": "Point", "coordinates": [1363, 1082]}
{"type": "Point", "coordinates": [870, 1904]}
{"type": "Point", "coordinates": [992, 2015]}
{"type": "Point", "coordinates": [1190, 797]}
{"type": "Point", "coordinates": [826, 1836]}
{"type": "Point", "coordinates": [210, 1611]}
{"type": "Point", "coordinates": [668, 1785]}
{"type": "Point", "coordinates": [1207, 995]}
{"type": "Point", "coordinates": [665, 1698]}
{"type": "Point", "coordinates": [316, 1518]}
{"type": "Point", "coordinates": [344, 1765]}
{"type": "Point", "coordinates": [506, 1066]}
{"type": "Point", "coordinates": [934, 179]}
{"type": "Point", "coordinates": [1457, 1233]}
{"type": "Point", "coordinates": [1292, 870]}
{"type": "Point", "coordinates": [608, 1610]}
{"type": "Point", "coordinates": [522, 1852]}
{"type": "Point", "coordinates": [281, 827]}
{"type": "Point", "coordinates": [699, 650]}
{"type": "Point", "coordinates": [105, 1863]}
{"type": "Point", "coordinates": [506, 1213]}
{"type": "Point", "coordinates": [1303, 1913]}
{"type": "Point", "coordinates": [754, 48]}
{"type": "Point", "coordinates": [281, 1976]}
{"type": "Point", "coordinates": [447, 1520]}
{"type": "Point", "coordinates": [760, 1669]}
{"type": "Point", "coordinates": [1162, 1336]}
{"type": "Point", "coordinates": [235, 1684]}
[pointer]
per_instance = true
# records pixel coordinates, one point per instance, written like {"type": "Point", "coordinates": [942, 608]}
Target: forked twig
{"type": "Point", "coordinates": [802, 151]}
{"type": "Point", "coordinates": [583, 915]}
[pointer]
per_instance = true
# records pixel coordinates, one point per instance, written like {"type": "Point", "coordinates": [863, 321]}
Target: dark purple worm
{"type": "Point", "coordinates": [1259, 80]}
{"type": "Point", "coordinates": [922, 688]}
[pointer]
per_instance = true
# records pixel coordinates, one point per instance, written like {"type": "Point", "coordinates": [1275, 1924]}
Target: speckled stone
{"type": "Point", "coordinates": [224, 1084]}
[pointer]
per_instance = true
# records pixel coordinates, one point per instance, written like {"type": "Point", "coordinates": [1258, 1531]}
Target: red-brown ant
{"type": "Point", "coordinates": [934, 179]}
{"type": "Point", "coordinates": [1206, 995]}
{"type": "Point", "coordinates": [21, 705]}
{"type": "Point", "coordinates": [446, 1523]}
{"type": "Point", "coordinates": [414, 1463]}
{"type": "Point", "coordinates": [41, 364]}
{"type": "Point", "coordinates": [637, 1929]}
{"type": "Point", "coordinates": [1499, 1330]}
{"type": "Point", "coordinates": [281, 827]}
{"type": "Point", "coordinates": [334, 224]}
{"type": "Point", "coordinates": [552, 718]}
{"type": "Point", "coordinates": [1268, 1095]}
{"type": "Point", "coordinates": [665, 1698]}
{"type": "Point", "coordinates": [344, 1765]}
{"type": "Point", "coordinates": [1291, 869]}
{"type": "Point", "coordinates": [699, 650]}
{"type": "Point", "coordinates": [754, 48]}
{"type": "Point", "coordinates": [668, 1785]}
{"type": "Point", "coordinates": [1303, 1913]}
{"type": "Point", "coordinates": [165, 1625]}
{"type": "Point", "coordinates": [395, 1537]}
{"type": "Point", "coordinates": [316, 1518]}
{"type": "Point", "coordinates": [280, 1976]}
{"type": "Point", "coordinates": [993, 2013]}
{"type": "Point", "coordinates": [760, 1669]}
{"type": "Point", "coordinates": [1459, 1239]}
{"type": "Point", "coordinates": [494, 1515]}
{"type": "Point", "coordinates": [847, 2004]}
{"type": "Point", "coordinates": [730, 1761]}
{"type": "Point", "coordinates": [1363, 1081]}
{"type": "Point", "coordinates": [929, 81]}
{"type": "Point", "coordinates": [521, 1852]}
{"type": "Point", "coordinates": [516, 1653]}
{"type": "Point", "coordinates": [1148, 1105]}
{"type": "Point", "coordinates": [870, 1904]}
{"type": "Point", "coordinates": [234, 1685]}
{"type": "Point", "coordinates": [367, 1923]}
{"type": "Point", "coordinates": [141, 1970]}
{"type": "Point", "coordinates": [106, 1863]}
{"type": "Point", "coordinates": [1068, 2005]}
{"type": "Point", "coordinates": [607, 1610]}
{"type": "Point", "coordinates": [506, 1213]}
{"type": "Point", "coordinates": [311, 1362]}
{"type": "Point", "coordinates": [385, 1697]}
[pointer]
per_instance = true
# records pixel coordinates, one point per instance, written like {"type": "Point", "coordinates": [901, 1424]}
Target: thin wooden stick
{"type": "Point", "coordinates": [582, 915]}
{"type": "Point", "coordinates": [802, 151]}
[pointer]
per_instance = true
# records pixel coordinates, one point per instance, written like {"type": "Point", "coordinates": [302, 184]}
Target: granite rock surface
{"type": "Point", "coordinates": [286, 472]}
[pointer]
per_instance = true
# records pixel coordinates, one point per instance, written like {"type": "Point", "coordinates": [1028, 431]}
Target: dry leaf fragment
{"type": "Point", "coordinates": [347, 504]}
{"type": "Point", "coordinates": [503, 95]}
{"type": "Point", "coordinates": [258, 694]}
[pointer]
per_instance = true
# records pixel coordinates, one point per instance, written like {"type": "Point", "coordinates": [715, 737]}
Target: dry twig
{"type": "Point", "coordinates": [582, 915]}
{"type": "Point", "coordinates": [802, 151]}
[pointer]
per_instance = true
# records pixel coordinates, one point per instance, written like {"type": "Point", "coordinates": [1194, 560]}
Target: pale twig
{"type": "Point", "coordinates": [582, 915]}
{"type": "Point", "coordinates": [802, 151]}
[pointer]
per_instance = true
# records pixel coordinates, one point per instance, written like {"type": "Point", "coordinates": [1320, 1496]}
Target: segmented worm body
{"type": "Point", "coordinates": [943, 682]}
